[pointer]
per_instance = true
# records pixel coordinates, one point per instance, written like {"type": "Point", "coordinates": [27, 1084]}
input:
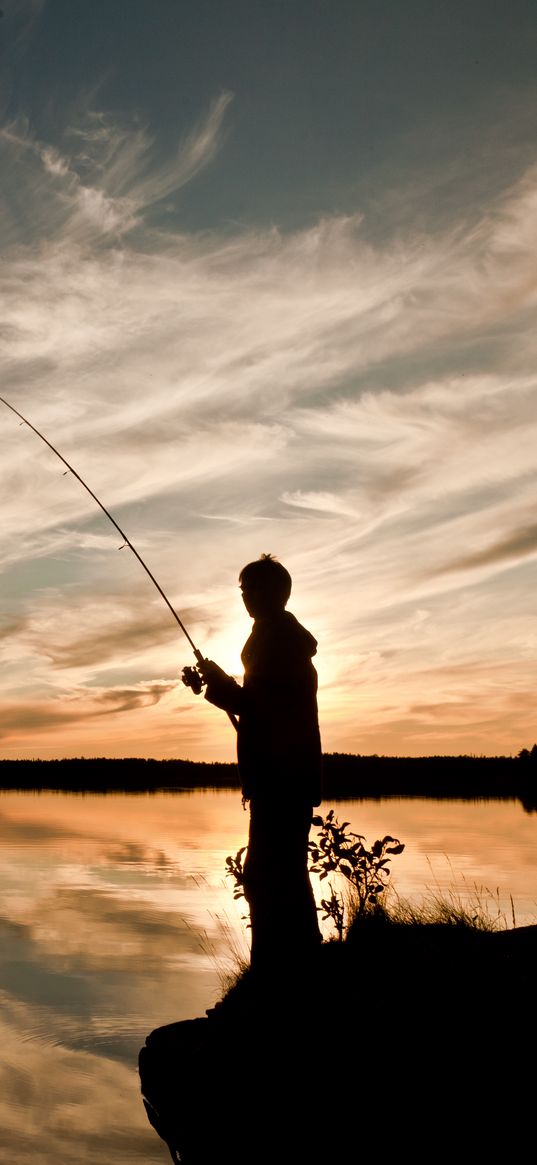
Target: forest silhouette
{"type": "Point", "coordinates": [344, 776]}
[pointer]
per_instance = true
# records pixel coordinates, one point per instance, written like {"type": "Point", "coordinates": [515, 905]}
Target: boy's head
{"type": "Point", "coordinates": [265, 586]}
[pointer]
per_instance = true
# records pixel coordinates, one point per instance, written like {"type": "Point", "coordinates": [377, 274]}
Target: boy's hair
{"type": "Point", "coordinates": [269, 575]}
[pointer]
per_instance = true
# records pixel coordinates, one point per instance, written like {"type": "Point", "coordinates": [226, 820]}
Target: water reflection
{"type": "Point", "coordinates": [109, 906]}
{"type": "Point", "coordinates": [102, 905]}
{"type": "Point", "coordinates": [62, 1106]}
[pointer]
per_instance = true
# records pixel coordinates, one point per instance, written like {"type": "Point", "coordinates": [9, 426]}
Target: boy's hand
{"type": "Point", "coordinates": [210, 670]}
{"type": "Point", "coordinates": [222, 690]}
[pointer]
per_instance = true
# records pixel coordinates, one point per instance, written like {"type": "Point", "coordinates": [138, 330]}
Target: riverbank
{"type": "Point", "coordinates": [408, 1037]}
{"type": "Point", "coordinates": [345, 776]}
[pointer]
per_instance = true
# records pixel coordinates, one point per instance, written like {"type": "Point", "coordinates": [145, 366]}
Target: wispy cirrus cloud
{"type": "Point", "coordinates": [104, 184]}
{"type": "Point", "coordinates": [519, 544]}
{"type": "Point", "coordinates": [75, 707]}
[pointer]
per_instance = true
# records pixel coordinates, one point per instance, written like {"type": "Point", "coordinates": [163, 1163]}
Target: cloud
{"type": "Point", "coordinates": [76, 707]}
{"type": "Point", "coordinates": [96, 640]}
{"type": "Point", "coordinates": [103, 647]}
{"type": "Point", "coordinates": [193, 154]}
{"type": "Point", "coordinates": [105, 184]}
{"type": "Point", "coordinates": [322, 501]}
{"type": "Point", "coordinates": [520, 544]}
{"type": "Point", "coordinates": [12, 627]}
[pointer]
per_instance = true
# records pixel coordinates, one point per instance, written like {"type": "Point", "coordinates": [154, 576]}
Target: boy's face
{"type": "Point", "coordinates": [259, 602]}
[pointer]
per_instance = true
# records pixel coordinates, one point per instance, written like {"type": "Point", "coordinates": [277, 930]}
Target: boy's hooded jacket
{"type": "Point", "coordinates": [278, 741]}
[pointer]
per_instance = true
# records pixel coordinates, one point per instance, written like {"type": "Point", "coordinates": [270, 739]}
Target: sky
{"type": "Point", "coordinates": [268, 282]}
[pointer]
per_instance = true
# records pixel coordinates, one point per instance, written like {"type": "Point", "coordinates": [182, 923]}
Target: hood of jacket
{"type": "Point", "coordinates": [280, 638]}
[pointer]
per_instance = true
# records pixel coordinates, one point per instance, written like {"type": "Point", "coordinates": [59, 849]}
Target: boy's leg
{"type": "Point", "coordinates": [277, 887]}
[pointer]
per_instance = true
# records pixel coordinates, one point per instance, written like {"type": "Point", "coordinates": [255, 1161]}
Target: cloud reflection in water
{"type": "Point", "coordinates": [104, 905]}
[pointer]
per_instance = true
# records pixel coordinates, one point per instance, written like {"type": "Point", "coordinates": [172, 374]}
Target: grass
{"type": "Point", "coordinates": [479, 910]}
{"type": "Point", "coordinates": [450, 910]}
{"type": "Point", "coordinates": [234, 965]}
{"type": "Point", "coordinates": [402, 946]}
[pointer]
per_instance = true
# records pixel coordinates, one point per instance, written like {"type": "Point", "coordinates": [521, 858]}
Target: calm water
{"type": "Point", "coordinates": [116, 919]}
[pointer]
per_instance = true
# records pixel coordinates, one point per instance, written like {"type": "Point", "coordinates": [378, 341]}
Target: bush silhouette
{"type": "Point", "coordinates": [366, 871]}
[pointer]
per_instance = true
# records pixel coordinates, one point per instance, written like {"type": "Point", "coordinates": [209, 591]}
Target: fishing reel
{"type": "Point", "coordinates": [196, 677]}
{"type": "Point", "coordinates": [192, 678]}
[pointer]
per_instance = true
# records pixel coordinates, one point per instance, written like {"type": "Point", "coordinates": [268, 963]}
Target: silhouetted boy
{"type": "Point", "coordinates": [279, 755]}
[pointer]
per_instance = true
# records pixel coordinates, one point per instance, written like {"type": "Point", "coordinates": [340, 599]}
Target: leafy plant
{"type": "Point", "coordinates": [235, 870]}
{"type": "Point", "coordinates": [366, 871]}
{"type": "Point", "coordinates": [343, 853]}
{"type": "Point", "coordinates": [334, 908]}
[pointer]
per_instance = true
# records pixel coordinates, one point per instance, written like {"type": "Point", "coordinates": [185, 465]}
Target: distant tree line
{"type": "Point", "coordinates": [110, 774]}
{"type": "Point", "coordinates": [345, 775]}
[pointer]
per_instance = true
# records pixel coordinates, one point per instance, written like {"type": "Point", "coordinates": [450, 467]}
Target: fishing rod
{"type": "Point", "coordinates": [192, 678]}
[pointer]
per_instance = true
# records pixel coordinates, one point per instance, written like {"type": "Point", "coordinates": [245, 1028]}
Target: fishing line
{"type": "Point", "coordinates": [126, 540]}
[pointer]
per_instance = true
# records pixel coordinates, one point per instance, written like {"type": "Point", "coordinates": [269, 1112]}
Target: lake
{"type": "Point", "coordinates": [116, 918]}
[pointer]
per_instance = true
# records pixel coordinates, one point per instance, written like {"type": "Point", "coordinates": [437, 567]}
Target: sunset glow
{"type": "Point", "coordinates": [271, 287]}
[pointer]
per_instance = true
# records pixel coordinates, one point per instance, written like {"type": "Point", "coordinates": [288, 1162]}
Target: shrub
{"type": "Point", "coordinates": [366, 871]}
